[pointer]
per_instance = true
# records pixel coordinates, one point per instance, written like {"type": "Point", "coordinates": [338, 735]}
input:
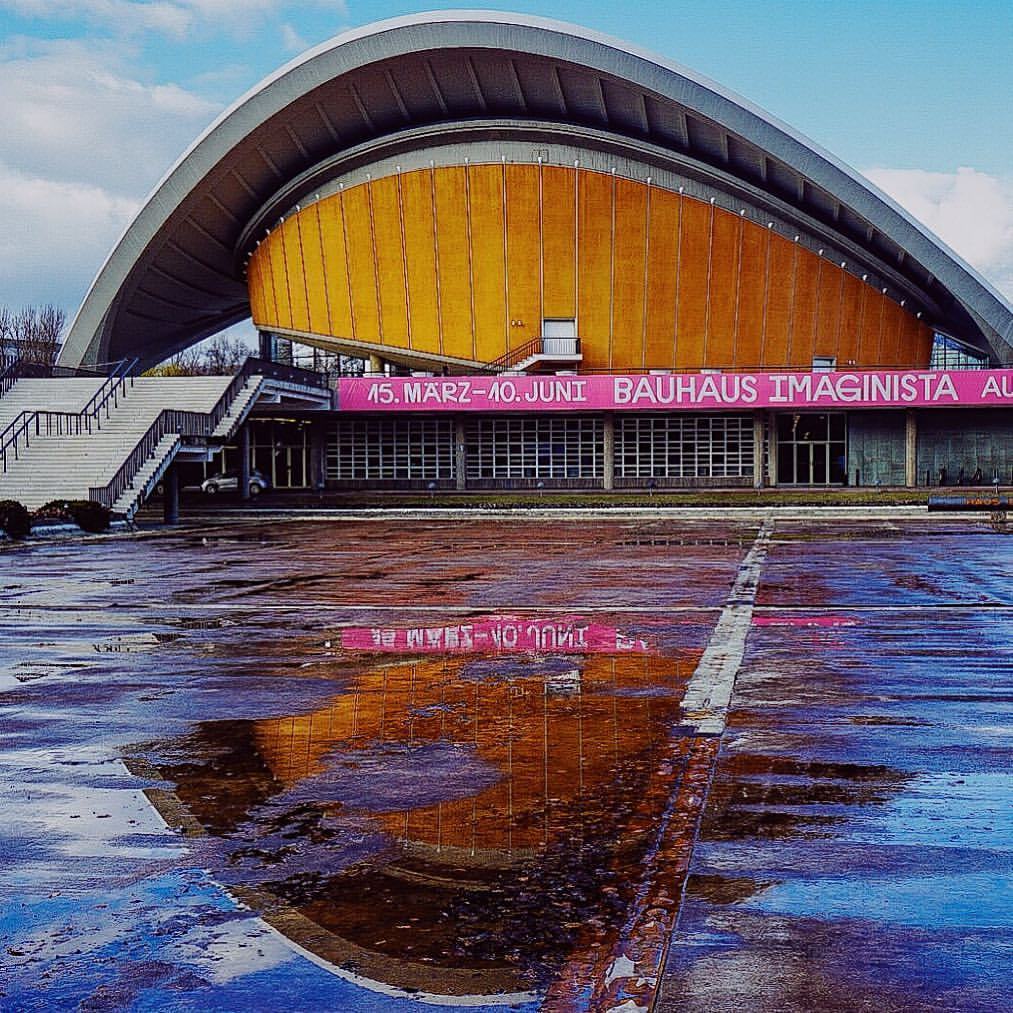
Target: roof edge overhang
{"type": "Point", "coordinates": [96, 331]}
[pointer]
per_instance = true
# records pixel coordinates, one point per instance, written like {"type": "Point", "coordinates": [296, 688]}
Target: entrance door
{"type": "Point", "coordinates": [811, 449]}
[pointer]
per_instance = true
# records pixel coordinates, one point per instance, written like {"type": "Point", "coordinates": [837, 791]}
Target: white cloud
{"type": "Point", "coordinates": [971, 211]}
{"type": "Point", "coordinates": [71, 112]}
{"type": "Point", "coordinates": [291, 40]}
{"type": "Point", "coordinates": [177, 19]}
{"type": "Point", "coordinates": [55, 236]}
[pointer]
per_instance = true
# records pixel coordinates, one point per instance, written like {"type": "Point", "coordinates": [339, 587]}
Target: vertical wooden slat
{"type": "Point", "coordinates": [523, 254]}
{"type": "Point", "coordinates": [488, 263]}
{"type": "Point", "coordinates": [594, 259]}
{"type": "Point", "coordinates": [724, 271]}
{"type": "Point", "coordinates": [390, 268]}
{"type": "Point", "coordinates": [803, 317]}
{"type": "Point", "coordinates": [752, 290]}
{"type": "Point", "coordinates": [780, 296]}
{"type": "Point", "coordinates": [420, 259]}
{"type": "Point", "coordinates": [691, 321]}
{"type": "Point", "coordinates": [313, 264]}
{"type": "Point", "coordinates": [662, 272]}
{"type": "Point", "coordinates": [630, 213]}
{"type": "Point", "coordinates": [361, 263]}
{"type": "Point", "coordinates": [452, 259]}
{"type": "Point", "coordinates": [558, 241]}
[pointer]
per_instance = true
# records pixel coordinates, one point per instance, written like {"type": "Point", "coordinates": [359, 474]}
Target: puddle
{"type": "Point", "coordinates": [451, 826]}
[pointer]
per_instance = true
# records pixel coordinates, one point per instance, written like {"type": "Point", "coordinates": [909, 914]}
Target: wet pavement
{"type": "Point", "coordinates": [376, 765]}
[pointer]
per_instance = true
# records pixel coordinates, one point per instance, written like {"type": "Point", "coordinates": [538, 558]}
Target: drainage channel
{"type": "Point", "coordinates": [624, 978]}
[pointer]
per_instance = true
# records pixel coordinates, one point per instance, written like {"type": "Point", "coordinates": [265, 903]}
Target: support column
{"type": "Point", "coordinates": [318, 455]}
{"type": "Point", "coordinates": [460, 456]}
{"type": "Point", "coordinates": [609, 454]}
{"type": "Point", "coordinates": [375, 364]}
{"type": "Point", "coordinates": [759, 418]}
{"type": "Point", "coordinates": [170, 497]}
{"type": "Point", "coordinates": [911, 448]}
{"type": "Point", "coordinates": [771, 449]}
{"type": "Point", "coordinates": [244, 461]}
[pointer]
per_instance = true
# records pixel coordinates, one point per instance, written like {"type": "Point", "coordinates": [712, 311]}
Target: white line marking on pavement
{"type": "Point", "coordinates": [709, 692]}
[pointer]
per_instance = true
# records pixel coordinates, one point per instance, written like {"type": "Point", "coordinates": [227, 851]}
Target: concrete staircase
{"type": "Point", "coordinates": [69, 466]}
{"type": "Point", "coordinates": [69, 395]}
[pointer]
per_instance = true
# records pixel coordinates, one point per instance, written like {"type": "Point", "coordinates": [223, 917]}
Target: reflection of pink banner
{"type": "Point", "coordinates": [565, 635]}
{"type": "Point", "coordinates": [804, 621]}
{"type": "Point", "coordinates": [697, 391]}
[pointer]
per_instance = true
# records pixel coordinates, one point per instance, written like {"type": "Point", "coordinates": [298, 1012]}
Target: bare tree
{"type": "Point", "coordinates": [224, 355]}
{"type": "Point", "coordinates": [32, 333]}
{"type": "Point", "coordinates": [188, 362]}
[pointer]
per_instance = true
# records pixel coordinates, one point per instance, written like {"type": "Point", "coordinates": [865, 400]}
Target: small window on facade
{"type": "Point", "coordinates": [824, 363]}
{"type": "Point", "coordinates": [559, 336]}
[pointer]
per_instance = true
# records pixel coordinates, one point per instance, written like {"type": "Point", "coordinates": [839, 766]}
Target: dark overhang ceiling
{"type": "Point", "coordinates": [176, 274]}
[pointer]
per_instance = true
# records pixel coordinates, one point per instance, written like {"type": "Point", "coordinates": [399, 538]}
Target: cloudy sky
{"type": "Point", "coordinates": [99, 97]}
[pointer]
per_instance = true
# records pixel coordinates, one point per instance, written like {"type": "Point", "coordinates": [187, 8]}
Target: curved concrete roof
{"type": "Point", "coordinates": [176, 274]}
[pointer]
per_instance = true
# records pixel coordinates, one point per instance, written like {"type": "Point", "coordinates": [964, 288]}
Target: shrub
{"type": "Point", "coordinates": [14, 519]}
{"type": "Point", "coordinates": [85, 513]}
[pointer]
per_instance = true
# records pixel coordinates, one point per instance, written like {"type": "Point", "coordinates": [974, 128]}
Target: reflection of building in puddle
{"type": "Point", "coordinates": [553, 748]}
{"type": "Point", "coordinates": [517, 850]}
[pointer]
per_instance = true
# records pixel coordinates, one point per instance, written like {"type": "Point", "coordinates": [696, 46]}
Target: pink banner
{"type": "Point", "coordinates": [686, 391]}
{"type": "Point", "coordinates": [563, 635]}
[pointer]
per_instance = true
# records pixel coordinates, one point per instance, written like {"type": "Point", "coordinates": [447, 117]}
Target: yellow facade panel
{"type": "Point", "coordinates": [751, 295]}
{"type": "Point", "coordinates": [694, 257]}
{"type": "Point", "coordinates": [559, 245]}
{"type": "Point", "coordinates": [872, 327]}
{"type": "Point", "coordinates": [361, 264]}
{"type": "Point", "coordinates": [390, 263]}
{"type": "Point", "coordinates": [313, 262]}
{"type": "Point", "coordinates": [332, 236]}
{"type": "Point", "coordinates": [803, 317]}
{"type": "Point", "coordinates": [780, 297]}
{"type": "Point", "coordinates": [279, 280]}
{"type": "Point", "coordinates": [723, 289]}
{"type": "Point", "coordinates": [454, 261]}
{"type": "Point", "coordinates": [295, 272]}
{"type": "Point", "coordinates": [420, 256]}
{"type": "Point", "coordinates": [851, 312]}
{"type": "Point", "coordinates": [828, 310]}
{"type": "Point", "coordinates": [523, 254]}
{"type": "Point", "coordinates": [488, 264]}
{"type": "Point", "coordinates": [594, 268]}
{"type": "Point", "coordinates": [629, 280]}
{"type": "Point", "coordinates": [662, 271]}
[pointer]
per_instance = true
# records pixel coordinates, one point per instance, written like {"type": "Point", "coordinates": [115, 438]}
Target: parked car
{"type": "Point", "coordinates": [228, 481]}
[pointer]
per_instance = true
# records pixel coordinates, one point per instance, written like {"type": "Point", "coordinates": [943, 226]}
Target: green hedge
{"type": "Point", "coordinates": [15, 520]}
{"type": "Point", "coordinates": [85, 513]}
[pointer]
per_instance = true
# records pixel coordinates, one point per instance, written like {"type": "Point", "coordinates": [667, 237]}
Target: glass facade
{"type": "Point", "coordinates": [812, 449]}
{"type": "Point", "coordinates": [535, 448]}
{"type": "Point", "coordinates": [949, 353]}
{"type": "Point", "coordinates": [383, 449]}
{"type": "Point", "coordinates": [684, 446]}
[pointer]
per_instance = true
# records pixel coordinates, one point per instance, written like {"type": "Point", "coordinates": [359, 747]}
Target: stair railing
{"type": "Point", "coordinates": [9, 375]}
{"type": "Point", "coordinates": [512, 357]}
{"type": "Point", "coordinates": [169, 420]}
{"type": "Point", "coordinates": [43, 422]}
{"type": "Point", "coordinates": [175, 421]}
{"type": "Point", "coordinates": [536, 346]}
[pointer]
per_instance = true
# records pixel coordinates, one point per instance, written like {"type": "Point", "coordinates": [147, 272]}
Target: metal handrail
{"type": "Point", "coordinates": [172, 420]}
{"type": "Point", "coordinates": [9, 375]}
{"type": "Point", "coordinates": [515, 355]}
{"type": "Point", "coordinates": [534, 347]}
{"type": "Point", "coordinates": [56, 424]}
{"type": "Point", "coordinates": [253, 365]}
{"type": "Point", "coordinates": [76, 422]}
{"type": "Point", "coordinates": [169, 420]}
